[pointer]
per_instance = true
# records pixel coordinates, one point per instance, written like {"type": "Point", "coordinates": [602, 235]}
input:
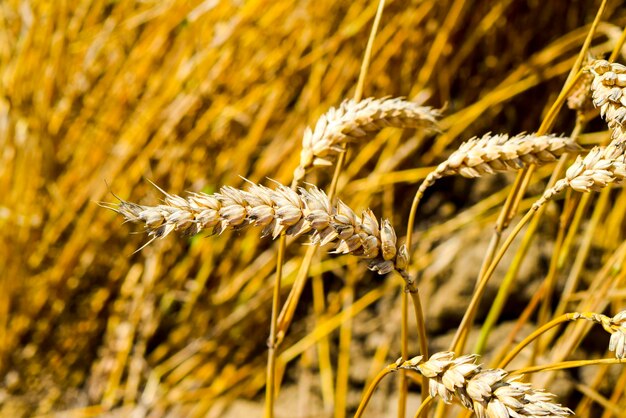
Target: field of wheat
{"type": "Point", "coordinates": [312, 208]}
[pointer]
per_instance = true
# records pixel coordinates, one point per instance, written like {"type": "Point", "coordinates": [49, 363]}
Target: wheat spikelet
{"type": "Point", "coordinates": [496, 153]}
{"type": "Point", "coordinates": [487, 392]}
{"type": "Point", "coordinates": [617, 327]}
{"type": "Point", "coordinates": [608, 87]}
{"type": "Point", "coordinates": [613, 325]}
{"type": "Point", "coordinates": [580, 95]}
{"type": "Point", "coordinates": [358, 120]}
{"type": "Point", "coordinates": [599, 168]}
{"type": "Point", "coordinates": [275, 210]}
{"type": "Point", "coordinates": [579, 98]}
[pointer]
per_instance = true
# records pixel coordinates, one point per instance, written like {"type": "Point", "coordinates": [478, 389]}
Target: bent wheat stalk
{"type": "Point", "coordinates": [358, 120]}
{"type": "Point", "coordinates": [616, 326]}
{"type": "Point", "coordinates": [276, 211]}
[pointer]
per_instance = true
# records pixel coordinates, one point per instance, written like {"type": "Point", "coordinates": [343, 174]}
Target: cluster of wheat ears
{"type": "Point", "coordinates": [305, 210]}
{"type": "Point", "coordinates": [298, 211]}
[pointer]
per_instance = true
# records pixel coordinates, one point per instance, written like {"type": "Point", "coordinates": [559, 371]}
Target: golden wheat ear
{"type": "Point", "coordinates": [608, 89]}
{"type": "Point", "coordinates": [278, 210]}
{"type": "Point", "coordinates": [355, 121]}
{"type": "Point", "coordinates": [489, 154]}
{"type": "Point", "coordinates": [616, 326]}
{"type": "Point", "coordinates": [490, 393]}
{"type": "Point", "coordinates": [599, 168]}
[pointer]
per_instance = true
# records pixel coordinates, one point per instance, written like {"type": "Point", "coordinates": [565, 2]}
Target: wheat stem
{"type": "Point", "coordinates": [423, 409]}
{"type": "Point", "coordinates": [522, 180]}
{"type": "Point", "coordinates": [612, 325]}
{"type": "Point", "coordinates": [421, 330]}
{"type": "Point", "coordinates": [270, 382]}
{"type": "Point", "coordinates": [391, 368]}
{"type": "Point", "coordinates": [289, 308]}
{"type": "Point", "coordinates": [551, 324]}
{"type": "Point", "coordinates": [404, 350]}
{"type": "Point", "coordinates": [550, 280]}
{"type": "Point", "coordinates": [564, 365]}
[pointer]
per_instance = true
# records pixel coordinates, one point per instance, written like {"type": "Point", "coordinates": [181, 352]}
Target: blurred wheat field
{"type": "Point", "coordinates": [102, 96]}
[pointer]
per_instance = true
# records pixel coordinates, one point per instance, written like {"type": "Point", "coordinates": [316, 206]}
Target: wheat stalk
{"type": "Point", "coordinates": [487, 392]}
{"type": "Point", "coordinates": [608, 88]}
{"type": "Point", "coordinates": [276, 211]}
{"type": "Point", "coordinates": [498, 153]}
{"type": "Point", "coordinates": [358, 120]}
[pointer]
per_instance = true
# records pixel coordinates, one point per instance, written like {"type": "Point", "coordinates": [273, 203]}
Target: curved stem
{"type": "Point", "coordinates": [372, 387]}
{"type": "Point", "coordinates": [566, 365]}
{"type": "Point", "coordinates": [411, 222]}
{"type": "Point", "coordinates": [424, 406]}
{"type": "Point", "coordinates": [513, 353]}
{"type": "Point", "coordinates": [421, 330]}
{"type": "Point", "coordinates": [404, 350]}
{"type": "Point", "coordinates": [417, 306]}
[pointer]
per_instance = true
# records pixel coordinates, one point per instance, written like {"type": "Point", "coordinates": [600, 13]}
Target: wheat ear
{"type": "Point", "coordinates": [355, 121]}
{"type": "Point", "coordinates": [497, 153]}
{"type": "Point", "coordinates": [579, 98]}
{"type": "Point", "coordinates": [275, 210]}
{"type": "Point", "coordinates": [608, 92]}
{"type": "Point", "coordinates": [600, 167]}
{"type": "Point", "coordinates": [616, 326]}
{"type": "Point", "coordinates": [487, 392]}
